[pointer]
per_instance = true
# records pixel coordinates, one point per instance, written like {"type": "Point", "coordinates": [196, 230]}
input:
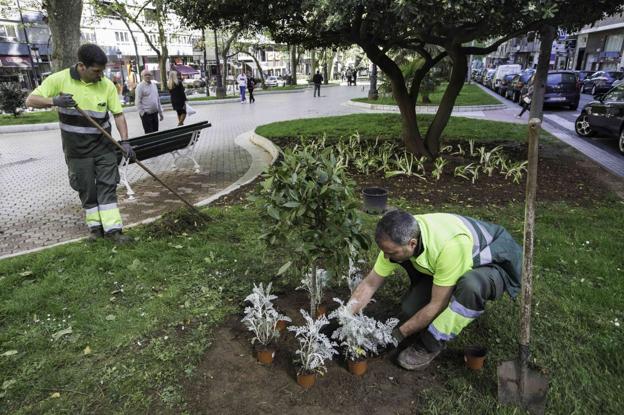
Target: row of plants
{"type": "Point", "coordinates": [358, 336]}
{"type": "Point", "coordinates": [390, 159]}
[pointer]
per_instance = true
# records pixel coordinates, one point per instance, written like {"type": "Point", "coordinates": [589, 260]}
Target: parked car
{"type": "Point", "coordinates": [604, 116]}
{"type": "Point", "coordinates": [487, 78]}
{"type": "Point", "coordinates": [500, 73]}
{"type": "Point", "coordinates": [601, 81]}
{"type": "Point", "coordinates": [194, 82]}
{"type": "Point", "coordinates": [505, 84]}
{"type": "Point", "coordinates": [519, 85]}
{"type": "Point", "coordinates": [562, 89]}
{"type": "Point", "coordinates": [274, 81]}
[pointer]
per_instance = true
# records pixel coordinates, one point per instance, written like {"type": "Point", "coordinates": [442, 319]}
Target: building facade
{"type": "Point", "coordinates": [600, 45]}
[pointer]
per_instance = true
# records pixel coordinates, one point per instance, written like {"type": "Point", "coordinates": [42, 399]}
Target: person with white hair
{"type": "Point", "coordinates": [147, 101]}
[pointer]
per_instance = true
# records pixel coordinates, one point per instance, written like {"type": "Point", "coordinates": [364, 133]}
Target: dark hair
{"type": "Point", "coordinates": [397, 226]}
{"type": "Point", "coordinates": [91, 54]}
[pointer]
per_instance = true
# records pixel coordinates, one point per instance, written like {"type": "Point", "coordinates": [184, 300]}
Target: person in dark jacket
{"type": "Point", "coordinates": [317, 79]}
{"type": "Point", "coordinates": [251, 84]}
{"type": "Point", "coordinates": [178, 97]}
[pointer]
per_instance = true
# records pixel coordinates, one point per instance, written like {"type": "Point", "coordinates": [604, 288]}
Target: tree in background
{"type": "Point", "coordinates": [64, 18]}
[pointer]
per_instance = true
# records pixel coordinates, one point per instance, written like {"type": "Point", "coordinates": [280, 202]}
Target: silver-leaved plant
{"type": "Point", "coordinates": [360, 335]}
{"type": "Point", "coordinates": [315, 348]}
{"type": "Point", "coordinates": [261, 318]}
{"type": "Point", "coordinates": [315, 289]}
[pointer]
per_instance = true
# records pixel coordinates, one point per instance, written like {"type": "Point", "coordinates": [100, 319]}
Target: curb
{"type": "Point", "coordinates": [426, 108]}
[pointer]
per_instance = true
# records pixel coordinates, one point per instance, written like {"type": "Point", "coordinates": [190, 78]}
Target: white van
{"type": "Point", "coordinates": [503, 70]}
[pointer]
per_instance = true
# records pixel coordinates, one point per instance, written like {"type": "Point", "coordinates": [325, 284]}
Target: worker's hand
{"type": "Point", "coordinates": [64, 100]}
{"type": "Point", "coordinates": [128, 150]}
{"type": "Point", "coordinates": [398, 336]}
{"type": "Point", "coordinates": [162, 117]}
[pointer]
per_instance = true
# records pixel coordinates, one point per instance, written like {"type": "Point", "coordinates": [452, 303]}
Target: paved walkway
{"type": "Point", "coordinates": [38, 208]}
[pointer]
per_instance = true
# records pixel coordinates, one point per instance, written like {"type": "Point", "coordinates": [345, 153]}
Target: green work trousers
{"type": "Point", "coordinates": [95, 179]}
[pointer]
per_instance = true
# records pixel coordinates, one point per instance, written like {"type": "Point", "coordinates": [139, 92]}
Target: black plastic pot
{"type": "Point", "coordinates": [375, 199]}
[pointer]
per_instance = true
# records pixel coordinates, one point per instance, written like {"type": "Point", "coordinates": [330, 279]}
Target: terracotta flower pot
{"type": "Point", "coordinates": [321, 310]}
{"type": "Point", "coordinates": [265, 356]}
{"type": "Point", "coordinates": [281, 325]}
{"type": "Point", "coordinates": [306, 380]}
{"type": "Point", "coordinates": [475, 357]}
{"type": "Point", "coordinates": [357, 367]}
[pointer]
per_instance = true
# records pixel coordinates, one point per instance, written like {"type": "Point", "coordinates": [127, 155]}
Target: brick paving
{"type": "Point", "coordinates": [38, 208]}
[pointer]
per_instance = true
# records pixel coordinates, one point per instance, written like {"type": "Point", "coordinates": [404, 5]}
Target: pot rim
{"type": "Point", "coordinates": [375, 191]}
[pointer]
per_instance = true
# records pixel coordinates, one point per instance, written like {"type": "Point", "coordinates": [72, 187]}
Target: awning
{"type": "Point", "coordinates": [23, 62]}
{"type": "Point", "coordinates": [185, 69]}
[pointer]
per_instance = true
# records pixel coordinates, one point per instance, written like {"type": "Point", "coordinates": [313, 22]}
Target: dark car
{"type": "Point", "coordinates": [583, 75]}
{"type": "Point", "coordinates": [562, 89]}
{"type": "Point", "coordinates": [519, 85]}
{"type": "Point", "coordinates": [601, 81]}
{"type": "Point", "coordinates": [604, 116]}
{"type": "Point", "coordinates": [505, 84]}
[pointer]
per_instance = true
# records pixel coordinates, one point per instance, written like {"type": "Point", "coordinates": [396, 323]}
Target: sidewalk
{"type": "Point", "coordinates": [39, 209]}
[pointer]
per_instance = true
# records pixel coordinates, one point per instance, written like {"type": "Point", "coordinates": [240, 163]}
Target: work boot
{"type": "Point", "coordinates": [95, 234]}
{"type": "Point", "coordinates": [416, 357]}
{"type": "Point", "coordinates": [118, 238]}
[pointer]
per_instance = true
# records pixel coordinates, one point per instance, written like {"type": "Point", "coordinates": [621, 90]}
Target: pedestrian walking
{"type": "Point", "coordinates": [251, 85]}
{"type": "Point", "coordinates": [147, 101]}
{"type": "Point", "coordinates": [178, 96]}
{"type": "Point", "coordinates": [242, 86]}
{"type": "Point", "coordinates": [525, 101]}
{"type": "Point", "coordinates": [91, 158]}
{"type": "Point", "coordinates": [348, 75]}
{"type": "Point", "coordinates": [317, 79]}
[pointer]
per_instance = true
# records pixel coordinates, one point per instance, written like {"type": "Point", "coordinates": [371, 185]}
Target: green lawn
{"type": "Point", "coordinates": [470, 95]}
{"type": "Point", "coordinates": [30, 118]}
{"type": "Point", "coordinates": [142, 316]}
{"type": "Point", "coordinates": [388, 126]}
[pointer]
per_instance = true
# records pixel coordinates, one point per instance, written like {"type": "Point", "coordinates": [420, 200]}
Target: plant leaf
{"type": "Point", "coordinates": [284, 268]}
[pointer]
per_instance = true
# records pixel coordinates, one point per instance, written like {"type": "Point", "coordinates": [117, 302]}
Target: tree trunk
{"type": "Point", "coordinates": [221, 92]}
{"type": "Point", "coordinates": [325, 73]}
{"type": "Point", "coordinates": [313, 62]}
{"type": "Point", "coordinates": [294, 60]}
{"type": "Point", "coordinates": [313, 292]}
{"type": "Point", "coordinates": [64, 21]}
{"type": "Point", "coordinates": [458, 75]}
{"type": "Point", "coordinates": [206, 77]}
{"type": "Point", "coordinates": [136, 48]}
{"type": "Point", "coordinates": [547, 36]}
{"type": "Point", "coordinates": [164, 53]}
{"type": "Point", "coordinates": [372, 92]}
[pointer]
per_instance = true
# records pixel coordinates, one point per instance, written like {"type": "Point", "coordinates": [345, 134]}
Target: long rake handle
{"type": "Point", "coordinates": [115, 143]}
{"type": "Point", "coordinates": [529, 224]}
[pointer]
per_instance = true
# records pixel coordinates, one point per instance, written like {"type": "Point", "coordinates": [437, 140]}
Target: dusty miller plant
{"type": "Point", "coordinates": [261, 317]}
{"type": "Point", "coordinates": [314, 347]}
{"type": "Point", "coordinates": [315, 286]}
{"type": "Point", "coordinates": [360, 335]}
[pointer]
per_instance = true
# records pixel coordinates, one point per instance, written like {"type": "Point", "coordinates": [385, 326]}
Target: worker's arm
{"type": "Point", "coordinates": [365, 291]}
{"type": "Point", "coordinates": [122, 126]}
{"type": "Point", "coordinates": [37, 101]}
{"type": "Point", "coordinates": [440, 297]}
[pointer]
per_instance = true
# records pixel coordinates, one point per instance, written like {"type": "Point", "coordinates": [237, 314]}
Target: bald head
{"type": "Point", "coordinates": [146, 72]}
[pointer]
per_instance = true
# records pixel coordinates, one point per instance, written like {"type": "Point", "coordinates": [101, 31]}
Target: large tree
{"type": "Point", "coordinates": [64, 17]}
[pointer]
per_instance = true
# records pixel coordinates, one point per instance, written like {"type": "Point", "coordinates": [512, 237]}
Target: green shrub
{"type": "Point", "coordinates": [12, 98]}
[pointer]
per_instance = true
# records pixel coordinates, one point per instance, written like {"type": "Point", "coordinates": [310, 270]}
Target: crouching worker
{"type": "Point", "coordinates": [90, 157]}
{"type": "Point", "coordinates": [455, 265]}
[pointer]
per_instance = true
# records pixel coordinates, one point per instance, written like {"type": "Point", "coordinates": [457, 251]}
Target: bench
{"type": "Point", "coordinates": [179, 142]}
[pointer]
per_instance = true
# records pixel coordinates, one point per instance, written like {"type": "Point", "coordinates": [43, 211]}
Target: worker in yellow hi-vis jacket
{"type": "Point", "coordinates": [455, 265]}
{"type": "Point", "coordinates": [91, 159]}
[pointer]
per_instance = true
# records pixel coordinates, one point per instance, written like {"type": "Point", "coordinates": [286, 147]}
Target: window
{"type": "Point", "coordinates": [615, 95]}
{"type": "Point", "coordinates": [7, 31]}
{"type": "Point", "coordinates": [561, 78]}
{"type": "Point", "coordinates": [117, 37]}
{"type": "Point", "coordinates": [126, 36]}
{"type": "Point", "coordinates": [614, 43]}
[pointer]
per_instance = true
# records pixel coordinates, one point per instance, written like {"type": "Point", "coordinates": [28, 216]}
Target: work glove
{"type": "Point", "coordinates": [64, 100]}
{"type": "Point", "coordinates": [128, 150]}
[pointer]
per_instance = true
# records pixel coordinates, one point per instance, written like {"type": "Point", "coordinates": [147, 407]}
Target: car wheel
{"type": "Point", "coordinates": [621, 141]}
{"type": "Point", "coordinates": [582, 127]}
{"type": "Point", "coordinates": [593, 90]}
